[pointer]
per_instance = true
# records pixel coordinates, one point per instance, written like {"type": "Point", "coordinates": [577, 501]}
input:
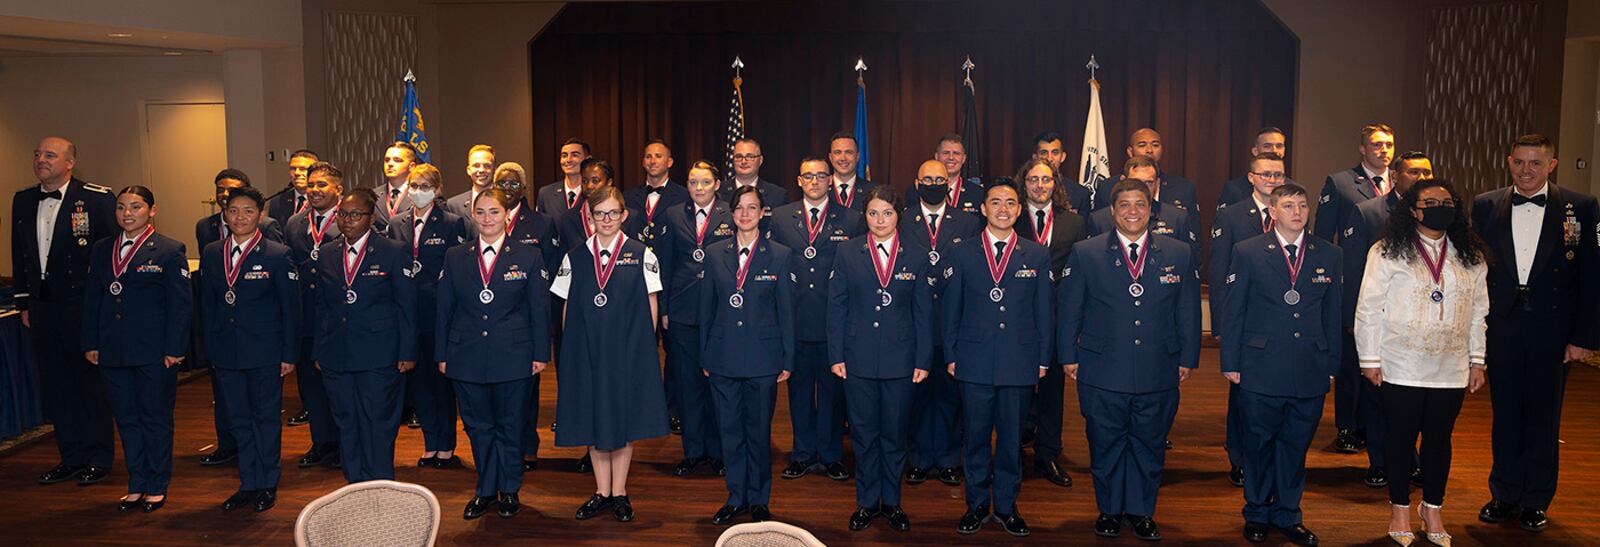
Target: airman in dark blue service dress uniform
{"type": "Point", "coordinates": [136, 310]}
{"type": "Point", "coordinates": [997, 319]}
{"type": "Point", "coordinates": [747, 348]}
{"type": "Point", "coordinates": [366, 337]}
{"type": "Point", "coordinates": [1129, 333]}
{"type": "Point", "coordinates": [880, 335]}
{"type": "Point", "coordinates": [493, 340]}
{"type": "Point", "coordinates": [250, 297]}
{"type": "Point", "coordinates": [306, 232]}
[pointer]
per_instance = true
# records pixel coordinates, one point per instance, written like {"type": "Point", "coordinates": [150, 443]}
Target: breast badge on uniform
{"type": "Point", "coordinates": [1026, 273]}
{"type": "Point", "coordinates": [516, 276]}
{"type": "Point", "coordinates": [1170, 279]}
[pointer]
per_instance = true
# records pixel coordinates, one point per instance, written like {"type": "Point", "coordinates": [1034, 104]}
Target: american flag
{"type": "Point", "coordinates": [735, 122]}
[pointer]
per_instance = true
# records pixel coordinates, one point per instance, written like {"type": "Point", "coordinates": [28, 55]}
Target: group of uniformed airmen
{"type": "Point", "coordinates": [937, 328]}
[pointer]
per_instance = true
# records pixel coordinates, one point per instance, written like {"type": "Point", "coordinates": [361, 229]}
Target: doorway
{"type": "Point", "coordinates": [185, 145]}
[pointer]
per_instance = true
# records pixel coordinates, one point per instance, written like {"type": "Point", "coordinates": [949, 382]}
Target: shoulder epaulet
{"type": "Point", "coordinates": [98, 189]}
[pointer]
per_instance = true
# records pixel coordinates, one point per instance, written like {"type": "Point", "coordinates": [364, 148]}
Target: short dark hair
{"type": "Point", "coordinates": [1045, 137]}
{"type": "Point", "coordinates": [1142, 160]}
{"type": "Point", "coordinates": [660, 141]}
{"type": "Point", "coordinates": [246, 192]}
{"type": "Point", "coordinates": [603, 165]}
{"type": "Point", "coordinates": [991, 185]}
{"type": "Point", "coordinates": [403, 145]}
{"type": "Point", "coordinates": [843, 135]}
{"type": "Point", "coordinates": [577, 141]}
{"type": "Point", "coordinates": [364, 195]}
{"type": "Point", "coordinates": [824, 161]}
{"type": "Point", "coordinates": [733, 198]}
{"type": "Point", "coordinates": [1535, 140]}
{"type": "Point", "coordinates": [1264, 156]}
{"type": "Point", "coordinates": [1269, 130]}
{"type": "Point", "coordinates": [950, 137]}
{"type": "Point", "coordinates": [1289, 189]}
{"type": "Point", "coordinates": [231, 173]}
{"type": "Point", "coordinates": [143, 193]}
{"type": "Point", "coordinates": [1132, 185]}
{"type": "Point", "coordinates": [886, 194]}
{"type": "Point", "coordinates": [1400, 160]}
{"type": "Point", "coordinates": [325, 167]}
{"type": "Point", "coordinates": [304, 153]}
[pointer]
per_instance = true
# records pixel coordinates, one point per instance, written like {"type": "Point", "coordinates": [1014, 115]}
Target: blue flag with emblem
{"type": "Point", "coordinates": [863, 167]}
{"type": "Point", "coordinates": [411, 129]}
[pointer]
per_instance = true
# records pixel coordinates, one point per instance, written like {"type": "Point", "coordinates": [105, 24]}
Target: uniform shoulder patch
{"type": "Point", "coordinates": [1231, 278]}
{"type": "Point", "coordinates": [1325, 198]}
{"type": "Point", "coordinates": [98, 189]}
{"type": "Point", "coordinates": [1216, 232]}
{"type": "Point", "coordinates": [1349, 231]}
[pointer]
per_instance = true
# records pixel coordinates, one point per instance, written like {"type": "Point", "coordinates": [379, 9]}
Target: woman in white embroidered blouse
{"type": "Point", "coordinates": [1420, 323]}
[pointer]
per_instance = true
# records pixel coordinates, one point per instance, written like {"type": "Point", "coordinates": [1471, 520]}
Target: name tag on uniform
{"type": "Point", "coordinates": [250, 276]}
{"type": "Point", "coordinates": [1026, 273]}
{"type": "Point", "coordinates": [149, 268]}
{"type": "Point", "coordinates": [1170, 279]}
{"type": "Point", "coordinates": [516, 276]}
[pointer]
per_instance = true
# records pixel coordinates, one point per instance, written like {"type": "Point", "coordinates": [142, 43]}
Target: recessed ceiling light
{"type": "Point", "coordinates": [172, 53]}
{"type": "Point", "coordinates": [120, 34]}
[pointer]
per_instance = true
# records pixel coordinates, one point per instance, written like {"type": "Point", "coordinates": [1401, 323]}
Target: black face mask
{"type": "Point", "coordinates": [1438, 218]}
{"type": "Point", "coordinates": [933, 194]}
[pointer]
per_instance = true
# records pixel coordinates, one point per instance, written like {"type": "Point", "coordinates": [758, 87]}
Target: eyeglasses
{"type": "Point", "coordinates": [352, 215]}
{"type": "Point", "coordinates": [933, 180]}
{"type": "Point", "coordinates": [1431, 203]}
{"type": "Point", "coordinates": [742, 157]}
{"type": "Point", "coordinates": [610, 214]}
{"type": "Point", "coordinates": [1275, 175]}
{"type": "Point", "coordinates": [508, 183]}
{"type": "Point", "coordinates": [423, 187]}
{"type": "Point", "coordinates": [814, 177]}
{"type": "Point", "coordinates": [1040, 180]}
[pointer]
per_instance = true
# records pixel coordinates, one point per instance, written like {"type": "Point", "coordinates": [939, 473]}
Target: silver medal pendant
{"type": "Point", "coordinates": [313, 253]}
{"type": "Point", "coordinates": [997, 294]}
{"type": "Point", "coordinates": [736, 300]}
{"type": "Point", "coordinates": [1291, 297]}
{"type": "Point", "coordinates": [350, 296]}
{"type": "Point", "coordinates": [416, 266]}
{"type": "Point", "coordinates": [887, 299]}
{"type": "Point", "coordinates": [116, 288]}
{"type": "Point", "coordinates": [1135, 290]}
{"type": "Point", "coordinates": [811, 252]}
{"type": "Point", "coordinates": [1436, 296]}
{"type": "Point", "coordinates": [600, 300]}
{"type": "Point", "coordinates": [486, 296]}
{"type": "Point", "coordinates": [699, 255]}
{"type": "Point", "coordinates": [933, 258]}
{"type": "Point", "coordinates": [230, 297]}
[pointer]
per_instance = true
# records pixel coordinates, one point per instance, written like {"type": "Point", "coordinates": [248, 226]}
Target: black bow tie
{"type": "Point", "coordinates": [53, 195]}
{"type": "Point", "coordinates": [1519, 199]}
{"type": "Point", "coordinates": [654, 189]}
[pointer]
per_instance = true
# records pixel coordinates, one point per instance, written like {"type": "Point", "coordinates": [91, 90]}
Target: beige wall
{"type": "Point", "coordinates": [97, 103]}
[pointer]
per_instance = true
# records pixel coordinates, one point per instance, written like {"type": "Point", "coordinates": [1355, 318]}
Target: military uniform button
{"type": "Point", "coordinates": [738, 323]}
{"type": "Point", "coordinates": [1297, 335]}
{"type": "Point", "coordinates": [1138, 323]}
{"type": "Point", "coordinates": [1002, 308]}
{"type": "Point", "coordinates": [1138, 342]}
{"type": "Point", "coordinates": [874, 324]}
{"type": "Point", "coordinates": [1002, 326]}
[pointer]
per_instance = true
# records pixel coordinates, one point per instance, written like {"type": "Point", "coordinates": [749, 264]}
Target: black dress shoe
{"type": "Point", "coordinates": [795, 470]}
{"type": "Point", "coordinates": [1416, 477]}
{"type": "Point", "coordinates": [61, 473]}
{"type": "Point", "coordinates": [1014, 524]}
{"type": "Point", "coordinates": [972, 521]}
{"type": "Point", "coordinates": [1495, 511]}
{"type": "Point", "coordinates": [1255, 532]}
{"type": "Point", "coordinates": [426, 462]}
{"type": "Point", "coordinates": [314, 457]}
{"type": "Point", "coordinates": [508, 505]}
{"type": "Point", "coordinates": [1053, 473]}
{"type": "Point", "coordinates": [1299, 535]}
{"type": "Point", "coordinates": [623, 510]}
{"type": "Point", "coordinates": [336, 459]}
{"type": "Point", "coordinates": [1144, 527]}
{"type": "Point", "coordinates": [594, 506]}
{"type": "Point", "coordinates": [916, 475]}
{"type": "Point", "coordinates": [239, 499]}
{"type": "Point", "coordinates": [1533, 520]}
{"type": "Point", "coordinates": [950, 476]}
{"type": "Point", "coordinates": [1236, 476]}
{"type": "Point", "coordinates": [93, 474]}
{"type": "Point", "coordinates": [898, 521]}
{"type": "Point", "coordinates": [124, 505]}
{"type": "Point", "coordinates": [1168, 445]}
{"type": "Point", "coordinates": [675, 425]}
{"type": "Point", "coordinates": [1108, 525]}
{"type": "Point", "coordinates": [1346, 443]}
{"type": "Point", "coordinates": [585, 465]}
{"type": "Point", "coordinates": [760, 513]}
{"type": "Point", "coordinates": [411, 419]}
{"type": "Point", "coordinates": [688, 466]}
{"type": "Point", "coordinates": [152, 506]}
{"type": "Point", "coordinates": [303, 418]}
{"type": "Point", "coordinates": [1375, 478]}
{"type": "Point", "coordinates": [477, 507]}
{"type": "Point", "coordinates": [862, 518]}
{"type": "Point", "coordinates": [718, 468]}
{"type": "Point", "coordinates": [267, 498]}
{"type": "Point", "coordinates": [451, 462]}
{"type": "Point", "coordinates": [837, 471]}
{"type": "Point", "coordinates": [529, 465]}
{"type": "Point", "coordinates": [219, 457]}
{"type": "Point", "coordinates": [727, 513]}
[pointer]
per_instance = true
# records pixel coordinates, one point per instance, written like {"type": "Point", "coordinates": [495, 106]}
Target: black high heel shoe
{"type": "Point", "coordinates": [152, 506]}
{"type": "Point", "coordinates": [125, 504]}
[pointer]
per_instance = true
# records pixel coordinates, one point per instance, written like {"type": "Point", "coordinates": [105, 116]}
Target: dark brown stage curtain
{"type": "Point", "coordinates": [1206, 74]}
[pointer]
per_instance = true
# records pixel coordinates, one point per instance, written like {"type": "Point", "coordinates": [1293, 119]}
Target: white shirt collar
{"type": "Point", "coordinates": [363, 241]}
{"type": "Point", "coordinates": [939, 212]}
{"type": "Point", "coordinates": [739, 183]}
{"type": "Point", "coordinates": [485, 244]}
{"type": "Point", "coordinates": [837, 182]}
{"type": "Point", "coordinates": [1372, 174]}
{"type": "Point", "coordinates": [1033, 210]}
{"type": "Point", "coordinates": [819, 205]}
{"type": "Point", "coordinates": [604, 245]}
{"type": "Point", "coordinates": [1257, 199]}
{"type": "Point", "coordinates": [1430, 243]}
{"type": "Point", "coordinates": [1141, 241]}
{"type": "Point", "coordinates": [1299, 239]}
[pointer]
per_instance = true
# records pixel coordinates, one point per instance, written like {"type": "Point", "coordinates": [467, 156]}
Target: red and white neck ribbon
{"type": "Point", "coordinates": [119, 263]}
{"type": "Point", "coordinates": [351, 269]}
{"type": "Point", "coordinates": [1136, 268]}
{"type": "Point", "coordinates": [486, 266]}
{"type": "Point", "coordinates": [602, 272]}
{"type": "Point", "coordinates": [231, 269]}
{"type": "Point", "coordinates": [885, 267]}
{"type": "Point", "coordinates": [822, 219]}
{"type": "Point", "coordinates": [317, 232]}
{"type": "Point", "coordinates": [1043, 237]}
{"type": "Point", "coordinates": [997, 268]}
{"type": "Point", "coordinates": [1294, 265]}
{"type": "Point", "coordinates": [1435, 267]}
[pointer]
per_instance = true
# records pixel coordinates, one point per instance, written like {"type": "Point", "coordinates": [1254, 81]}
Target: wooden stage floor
{"type": "Point", "coordinates": [1197, 506]}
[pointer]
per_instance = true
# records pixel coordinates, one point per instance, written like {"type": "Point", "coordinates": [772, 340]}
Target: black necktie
{"type": "Point", "coordinates": [299, 201]}
{"type": "Point", "coordinates": [1519, 199]}
{"type": "Point", "coordinates": [999, 250]}
{"type": "Point", "coordinates": [814, 212]}
{"type": "Point", "coordinates": [1038, 229]}
{"type": "Point", "coordinates": [883, 252]}
{"type": "Point", "coordinates": [572, 198]}
{"type": "Point", "coordinates": [394, 195]}
{"type": "Point", "coordinates": [605, 256]}
{"type": "Point", "coordinates": [1377, 185]}
{"type": "Point", "coordinates": [52, 195]}
{"type": "Point", "coordinates": [844, 191]}
{"type": "Point", "coordinates": [320, 218]}
{"type": "Point", "coordinates": [933, 223]}
{"type": "Point", "coordinates": [488, 251]}
{"type": "Point", "coordinates": [1266, 221]}
{"type": "Point", "coordinates": [1292, 249]}
{"type": "Point", "coordinates": [1133, 252]}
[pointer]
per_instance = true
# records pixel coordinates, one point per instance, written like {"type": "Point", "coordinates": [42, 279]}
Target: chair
{"type": "Point", "coordinates": [767, 534]}
{"type": "Point", "coordinates": [370, 513]}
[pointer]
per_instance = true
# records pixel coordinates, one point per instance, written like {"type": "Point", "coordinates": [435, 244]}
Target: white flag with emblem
{"type": "Point", "coordinates": [1096, 164]}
